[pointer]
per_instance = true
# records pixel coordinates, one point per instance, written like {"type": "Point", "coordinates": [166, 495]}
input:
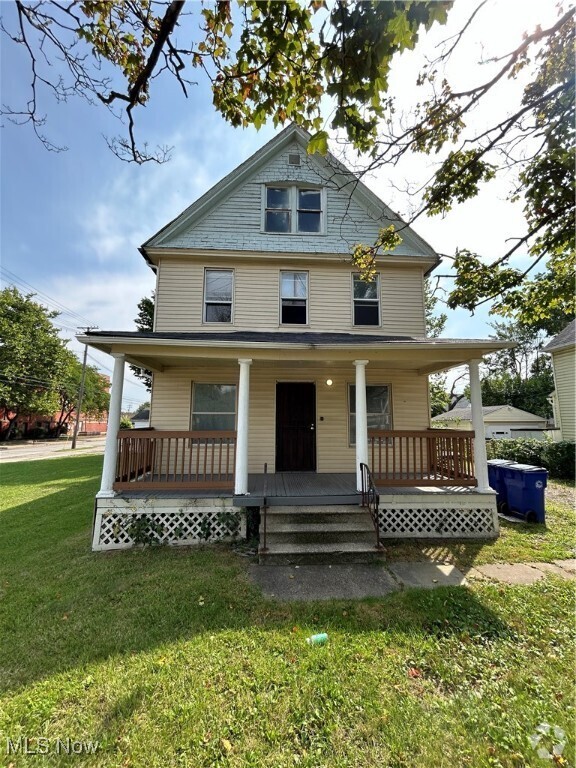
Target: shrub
{"type": "Point", "coordinates": [125, 423]}
{"type": "Point", "coordinates": [560, 459]}
{"type": "Point", "coordinates": [522, 450]}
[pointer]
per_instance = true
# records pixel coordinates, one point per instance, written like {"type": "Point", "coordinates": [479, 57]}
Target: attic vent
{"type": "Point", "coordinates": [293, 159]}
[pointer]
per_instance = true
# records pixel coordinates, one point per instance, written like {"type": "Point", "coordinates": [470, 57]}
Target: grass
{"type": "Point", "coordinates": [518, 542]}
{"type": "Point", "coordinates": [171, 657]}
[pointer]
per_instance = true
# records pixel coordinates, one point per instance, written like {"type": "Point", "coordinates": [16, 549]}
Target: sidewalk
{"type": "Point", "coordinates": [349, 582]}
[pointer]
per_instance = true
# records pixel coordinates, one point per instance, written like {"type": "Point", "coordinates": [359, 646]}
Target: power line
{"type": "Point", "coordinates": [109, 370]}
{"type": "Point", "coordinates": [57, 304]}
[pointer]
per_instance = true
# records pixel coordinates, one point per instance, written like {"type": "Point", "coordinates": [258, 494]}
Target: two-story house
{"type": "Point", "coordinates": [278, 372]}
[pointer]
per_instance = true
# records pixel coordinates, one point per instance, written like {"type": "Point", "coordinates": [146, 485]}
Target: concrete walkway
{"type": "Point", "coordinates": [348, 582]}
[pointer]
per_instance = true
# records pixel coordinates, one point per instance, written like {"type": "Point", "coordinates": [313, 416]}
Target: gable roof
{"type": "Point", "coordinates": [494, 412]}
{"type": "Point", "coordinates": [338, 175]}
{"type": "Point", "coordinates": [566, 338]}
{"type": "Point", "coordinates": [143, 414]}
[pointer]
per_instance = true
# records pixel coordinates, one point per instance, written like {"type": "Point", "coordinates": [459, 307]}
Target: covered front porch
{"type": "Point", "coordinates": [427, 481]}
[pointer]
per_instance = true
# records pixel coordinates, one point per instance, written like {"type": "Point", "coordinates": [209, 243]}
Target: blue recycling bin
{"type": "Point", "coordinates": [525, 486]}
{"type": "Point", "coordinates": [497, 482]}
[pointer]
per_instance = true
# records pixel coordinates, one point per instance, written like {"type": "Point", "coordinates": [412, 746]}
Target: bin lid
{"type": "Point", "coordinates": [500, 462]}
{"type": "Point", "coordinates": [528, 468]}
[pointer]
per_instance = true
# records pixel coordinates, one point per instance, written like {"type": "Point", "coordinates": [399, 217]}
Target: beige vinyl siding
{"type": "Point", "coordinates": [172, 398]}
{"type": "Point", "coordinates": [402, 301]}
{"type": "Point", "coordinates": [564, 377]}
{"type": "Point", "coordinates": [256, 297]}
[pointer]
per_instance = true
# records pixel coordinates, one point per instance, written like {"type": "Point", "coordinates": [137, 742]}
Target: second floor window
{"type": "Point", "coordinates": [293, 298]}
{"type": "Point", "coordinates": [218, 290]}
{"type": "Point", "coordinates": [366, 301]}
{"type": "Point", "coordinates": [293, 210]}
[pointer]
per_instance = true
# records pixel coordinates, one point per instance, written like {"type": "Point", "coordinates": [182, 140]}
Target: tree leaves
{"type": "Point", "coordinates": [144, 322]}
{"type": "Point", "coordinates": [39, 374]}
{"type": "Point", "coordinates": [32, 356]}
{"type": "Point", "coordinates": [364, 256]}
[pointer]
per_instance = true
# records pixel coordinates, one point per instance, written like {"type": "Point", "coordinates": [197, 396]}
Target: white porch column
{"type": "Point", "coordinates": [480, 458]}
{"type": "Point", "coordinates": [361, 420]}
{"type": "Point", "coordinates": [111, 446]}
{"type": "Point", "coordinates": [241, 469]}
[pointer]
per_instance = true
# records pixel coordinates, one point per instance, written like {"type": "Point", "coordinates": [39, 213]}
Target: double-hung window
{"type": "Point", "coordinates": [293, 209]}
{"type": "Point", "coordinates": [278, 209]}
{"type": "Point", "coordinates": [218, 292]}
{"type": "Point", "coordinates": [377, 409]}
{"type": "Point", "coordinates": [293, 298]}
{"type": "Point", "coordinates": [366, 300]}
{"type": "Point", "coordinates": [309, 210]}
{"type": "Point", "coordinates": [213, 407]}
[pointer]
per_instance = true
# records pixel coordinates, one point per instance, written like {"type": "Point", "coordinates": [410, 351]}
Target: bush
{"type": "Point", "coordinates": [125, 423]}
{"type": "Point", "coordinates": [558, 458]}
{"type": "Point", "coordinates": [522, 450]}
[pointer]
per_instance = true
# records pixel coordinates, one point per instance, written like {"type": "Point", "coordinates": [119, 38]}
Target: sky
{"type": "Point", "coordinates": [71, 222]}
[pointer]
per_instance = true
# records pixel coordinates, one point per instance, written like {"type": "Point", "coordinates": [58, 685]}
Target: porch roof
{"type": "Point", "coordinates": [157, 350]}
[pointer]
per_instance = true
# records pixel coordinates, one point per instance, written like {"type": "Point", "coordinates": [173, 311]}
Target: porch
{"type": "Point", "coordinates": [204, 463]}
{"type": "Point", "coordinates": [424, 487]}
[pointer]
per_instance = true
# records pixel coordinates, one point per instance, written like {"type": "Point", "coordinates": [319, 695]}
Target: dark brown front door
{"type": "Point", "coordinates": [295, 427]}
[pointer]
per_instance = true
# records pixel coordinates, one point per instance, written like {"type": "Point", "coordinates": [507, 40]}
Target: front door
{"type": "Point", "coordinates": [295, 427]}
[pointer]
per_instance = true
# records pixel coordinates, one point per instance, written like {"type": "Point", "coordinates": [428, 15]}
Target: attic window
{"type": "Point", "coordinates": [293, 159]}
{"type": "Point", "coordinates": [292, 210]}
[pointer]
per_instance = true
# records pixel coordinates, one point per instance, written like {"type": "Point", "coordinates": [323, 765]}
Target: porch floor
{"type": "Point", "coordinates": [295, 488]}
{"type": "Point", "coordinates": [301, 488]}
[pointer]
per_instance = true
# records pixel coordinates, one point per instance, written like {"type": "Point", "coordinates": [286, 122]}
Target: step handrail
{"type": "Point", "coordinates": [264, 509]}
{"type": "Point", "coordinates": [371, 499]}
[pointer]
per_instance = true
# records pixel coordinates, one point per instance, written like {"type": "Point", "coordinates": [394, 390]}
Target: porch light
{"type": "Point", "coordinates": [329, 382]}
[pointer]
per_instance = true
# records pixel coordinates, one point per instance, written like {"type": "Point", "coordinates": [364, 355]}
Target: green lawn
{"type": "Point", "coordinates": [172, 658]}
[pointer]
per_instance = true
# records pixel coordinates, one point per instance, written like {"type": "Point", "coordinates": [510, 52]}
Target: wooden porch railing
{"type": "Point", "coordinates": [433, 457]}
{"type": "Point", "coordinates": [175, 460]}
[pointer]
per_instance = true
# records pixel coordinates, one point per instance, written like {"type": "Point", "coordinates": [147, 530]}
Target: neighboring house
{"type": "Point", "coordinates": [562, 349]}
{"type": "Point", "coordinates": [277, 372]}
{"type": "Point", "coordinates": [141, 419]}
{"type": "Point", "coordinates": [37, 426]}
{"type": "Point", "coordinates": [500, 421]}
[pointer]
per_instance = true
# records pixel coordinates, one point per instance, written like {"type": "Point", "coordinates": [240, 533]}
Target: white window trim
{"type": "Point", "coordinates": [232, 303]}
{"type": "Point", "coordinates": [378, 294]}
{"type": "Point", "coordinates": [300, 272]}
{"type": "Point", "coordinates": [217, 384]}
{"type": "Point", "coordinates": [293, 187]}
{"type": "Point", "coordinates": [349, 385]}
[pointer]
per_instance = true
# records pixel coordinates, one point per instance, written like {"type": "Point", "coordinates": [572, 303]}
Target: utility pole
{"type": "Point", "coordinates": [81, 393]}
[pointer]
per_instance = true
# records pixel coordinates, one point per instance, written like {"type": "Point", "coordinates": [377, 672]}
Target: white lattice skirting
{"type": "Point", "coordinates": [445, 521]}
{"type": "Point", "coordinates": [123, 523]}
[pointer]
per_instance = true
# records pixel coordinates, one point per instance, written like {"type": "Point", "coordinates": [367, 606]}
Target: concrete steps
{"type": "Point", "coordinates": [318, 534]}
